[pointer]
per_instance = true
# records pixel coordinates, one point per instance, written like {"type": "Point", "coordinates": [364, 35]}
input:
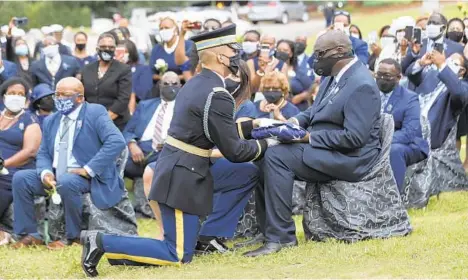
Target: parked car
{"type": "Point", "coordinates": [279, 11]}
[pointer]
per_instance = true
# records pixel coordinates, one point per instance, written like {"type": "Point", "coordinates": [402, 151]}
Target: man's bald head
{"type": "Point", "coordinates": [268, 40]}
{"type": "Point", "coordinates": [71, 84]}
{"type": "Point", "coordinates": [301, 39]}
{"type": "Point", "coordinates": [217, 59]}
{"type": "Point", "coordinates": [437, 18]}
{"type": "Point", "coordinates": [333, 39]}
{"type": "Point", "coordinates": [170, 78]}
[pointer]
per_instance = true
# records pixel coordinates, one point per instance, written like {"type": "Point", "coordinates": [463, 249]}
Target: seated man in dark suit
{"type": "Point", "coordinates": [54, 66]}
{"type": "Point", "coordinates": [342, 141]}
{"type": "Point", "coordinates": [145, 134]}
{"type": "Point", "coordinates": [436, 26]}
{"type": "Point", "coordinates": [360, 47]}
{"type": "Point", "coordinates": [79, 147]}
{"type": "Point", "coordinates": [408, 145]}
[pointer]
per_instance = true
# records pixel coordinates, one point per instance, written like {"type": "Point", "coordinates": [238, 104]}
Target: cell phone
{"type": "Point", "coordinates": [439, 47]}
{"type": "Point", "coordinates": [372, 38]}
{"type": "Point", "coordinates": [417, 35]}
{"type": "Point", "coordinates": [197, 25]}
{"type": "Point", "coordinates": [409, 33]}
{"type": "Point", "coordinates": [339, 26]}
{"type": "Point", "coordinates": [20, 21]}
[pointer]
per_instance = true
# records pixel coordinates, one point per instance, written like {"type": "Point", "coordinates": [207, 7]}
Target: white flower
{"type": "Point", "coordinates": [56, 199]}
{"type": "Point", "coordinates": [160, 63]}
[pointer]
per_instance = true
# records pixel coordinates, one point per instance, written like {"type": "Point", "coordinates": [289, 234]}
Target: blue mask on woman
{"type": "Point", "coordinates": [66, 105]}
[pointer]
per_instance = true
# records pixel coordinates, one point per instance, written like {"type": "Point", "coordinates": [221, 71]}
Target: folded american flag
{"type": "Point", "coordinates": [284, 132]}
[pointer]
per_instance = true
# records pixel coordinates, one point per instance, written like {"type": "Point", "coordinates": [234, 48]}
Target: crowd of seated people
{"type": "Point", "coordinates": [70, 117]}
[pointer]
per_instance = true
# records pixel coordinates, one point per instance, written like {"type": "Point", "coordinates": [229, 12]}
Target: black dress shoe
{"type": "Point", "coordinates": [214, 245]}
{"type": "Point", "coordinates": [257, 239]}
{"type": "Point", "coordinates": [91, 253]}
{"type": "Point", "coordinates": [269, 248]}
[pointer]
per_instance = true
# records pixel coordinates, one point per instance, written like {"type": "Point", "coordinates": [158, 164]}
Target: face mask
{"type": "Point", "coordinates": [106, 55]}
{"type": "Point", "coordinates": [300, 48]}
{"type": "Point", "coordinates": [169, 93]}
{"type": "Point", "coordinates": [386, 41]}
{"type": "Point", "coordinates": [14, 103]}
{"type": "Point", "coordinates": [250, 47]}
{"type": "Point", "coordinates": [21, 50]}
{"type": "Point", "coordinates": [282, 56]}
{"type": "Point", "coordinates": [125, 58]}
{"type": "Point", "coordinates": [433, 30]}
{"type": "Point", "coordinates": [273, 96]}
{"type": "Point", "coordinates": [384, 85]}
{"type": "Point", "coordinates": [455, 36]}
{"type": "Point", "coordinates": [80, 47]}
{"type": "Point", "coordinates": [324, 66]}
{"type": "Point", "coordinates": [355, 35]}
{"type": "Point", "coordinates": [400, 36]}
{"type": "Point", "coordinates": [451, 64]}
{"type": "Point", "coordinates": [66, 105]}
{"type": "Point", "coordinates": [232, 86]}
{"type": "Point", "coordinates": [233, 64]}
{"type": "Point", "coordinates": [51, 51]}
{"type": "Point", "coordinates": [167, 34]}
{"type": "Point", "coordinates": [346, 30]}
{"type": "Point", "coordinates": [46, 103]}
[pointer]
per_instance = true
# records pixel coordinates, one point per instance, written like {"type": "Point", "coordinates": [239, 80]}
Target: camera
{"type": "Point", "coordinates": [20, 21]}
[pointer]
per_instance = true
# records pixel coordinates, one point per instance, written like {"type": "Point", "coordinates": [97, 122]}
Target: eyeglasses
{"type": "Point", "coordinates": [320, 54]}
{"type": "Point", "coordinates": [342, 13]}
{"type": "Point", "coordinates": [385, 76]}
{"type": "Point", "coordinates": [170, 83]}
{"type": "Point", "coordinates": [109, 48]}
{"type": "Point", "coordinates": [66, 94]}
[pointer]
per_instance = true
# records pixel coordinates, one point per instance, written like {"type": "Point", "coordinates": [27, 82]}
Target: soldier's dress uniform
{"type": "Point", "coordinates": [182, 183]}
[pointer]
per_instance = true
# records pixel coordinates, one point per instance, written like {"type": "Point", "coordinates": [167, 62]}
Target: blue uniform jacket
{"type": "Point", "coordinates": [447, 107]}
{"type": "Point", "coordinates": [97, 144]}
{"type": "Point", "coordinates": [10, 70]}
{"type": "Point", "coordinates": [40, 74]}
{"type": "Point", "coordinates": [403, 105]}
{"type": "Point", "coordinates": [344, 129]}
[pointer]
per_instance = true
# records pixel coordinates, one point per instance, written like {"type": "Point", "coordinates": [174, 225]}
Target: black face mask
{"type": "Point", "coordinates": [233, 87]}
{"type": "Point", "coordinates": [46, 103]}
{"type": "Point", "coordinates": [80, 47]}
{"type": "Point", "coordinates": [282, 56]}
{"type": "Point", "coordinates": [106, 55]}
{"type": "Point", "coordinates": [455, 36]}
{"type": "Point", "coordinates": [385, 85]}
{"type": "Point", "coordinates": [300, 48]}
{"type": "Point", "coordinates": [273, 96]}
{"type": "Point", "coordinates": [234, 64]}
{"type": "Point", "coordinates": [324, 66]}
{"type": "Point", "coordinates": [169, 93]}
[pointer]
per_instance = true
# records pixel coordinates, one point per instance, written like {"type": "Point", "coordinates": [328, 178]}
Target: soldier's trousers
{"type": "Point", "coordinates": [180, 237]}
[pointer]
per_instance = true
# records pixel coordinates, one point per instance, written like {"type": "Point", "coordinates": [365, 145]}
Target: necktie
{"type": "Point", "coordinates": [62, 164]}
{"type": "Point", "coordinates": [157, 136]}
{"type": "Point", "coordinates": [329, 90]}
{"type": "Point", "coordinates": [384, 100]}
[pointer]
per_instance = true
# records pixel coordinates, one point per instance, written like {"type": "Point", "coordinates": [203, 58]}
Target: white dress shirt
{"type": "Point", "coordinates": [53, 64]}
{"type": "Point", "coordinates": [72, 163]}
{"type": "Point", "coordinates": [149, 131]}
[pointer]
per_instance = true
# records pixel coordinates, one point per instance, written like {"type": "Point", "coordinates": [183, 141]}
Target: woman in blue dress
{"type": "Point", "coordinates": [299, 81]}
{"type": "Point", "coordinates": [275, 88]}
{"type": "Point", "coordinates": [20, 137]}
{"type": "Point", "coordinates": [142, 81]}
{"type": "Point", "coordinates": [80, 52]}
{"type": "Point", "coordinates": [162, 56]}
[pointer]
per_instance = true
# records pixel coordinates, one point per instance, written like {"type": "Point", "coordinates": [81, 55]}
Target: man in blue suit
{"type": "Point", "coordinates": [436, 26]}
{"type": "Point", "coordinates": [53, 66]}
{"type": "Point", "coordinates": [360, 47]}
{"type": "Point", "coordinates": [140, 131]}
{"type": "Point", "coordinates": [79, 146]}
{"type": "Point", "coordinates": [442, 90]}
{"type": "Point", "coordinates": [342, 142]}
{"type": "Point", "coordinates": [408, 145]}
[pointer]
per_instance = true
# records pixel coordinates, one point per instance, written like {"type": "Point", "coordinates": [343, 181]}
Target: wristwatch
{"type": "Point", "coordinates": [261, 74]}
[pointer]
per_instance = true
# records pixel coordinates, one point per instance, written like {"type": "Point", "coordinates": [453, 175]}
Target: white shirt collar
{"type": "Point", "coordinates": [344, 69]}
{"type": "Point", "coordinates": [300, 58]}
{"type": "Point", "coordinates": [221, 77]}
{"type": "Point", "coordinates": [74, 115]}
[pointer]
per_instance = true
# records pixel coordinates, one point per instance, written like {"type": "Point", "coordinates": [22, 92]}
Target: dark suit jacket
{"type": "Point", "coordinates": [448, 105]}
{"type": "Point", "coordinates": [97, 144]}
{"type": "Point", "coordinates": [112, 91]}
{"type": "Point", "coordinates": [139, 121]}
{"type": "Point", "coordinates": [40, 74]}
{"type": "Point", "coordinates": [403, 105]}
{"type": "Point", "coordinates": [344, 129]}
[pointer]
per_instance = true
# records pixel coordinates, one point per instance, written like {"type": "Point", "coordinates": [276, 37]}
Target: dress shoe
{"type": "Point", "coordinates": [91, 254]}
{"type": "Point", "coordinates": [257, 239]}
{"type": "Point", "coordinates": [5, 238]}
{"type": "Point", "coordinates": [214, 245]}
{"type": "Point", "coordinates": [59, 244]}
{"type": "Point", "coordinates": [27, 241]}
{"type": "Point", "coordinates": [269, 248]}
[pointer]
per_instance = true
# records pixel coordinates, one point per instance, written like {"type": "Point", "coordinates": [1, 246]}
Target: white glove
{"type": "Point", "coordinates": [267, 122]}
{"type": "Point", "coordinates": [272, 142]}
{"type": "Point", "coordinates": [4, 171]}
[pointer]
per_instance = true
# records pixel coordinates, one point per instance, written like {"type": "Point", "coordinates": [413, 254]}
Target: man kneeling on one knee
{"type": "Point", "coordinates": [79, 144]}
{"type": "Point", "coordinates": [408, 145]}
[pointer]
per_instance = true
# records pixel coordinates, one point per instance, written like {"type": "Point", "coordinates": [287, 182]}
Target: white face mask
{"type": "Point", "coordinates": [51, 51]}
{"type": "Point", "coordinates": [386, 41]}
{"type": "Point", "coordinates": [433, 30]}
{"type": "Point", "coordinates": [400, 36]}
{"type": "Point", "coordinates": [14, 103]}
{"type": "Point", "coordinates": [250, 47]}
{"type": "Point", "coordinates": [167, 34]}
{"type": "Point", "coordinates": [125, 58]}
{"type": "Point", "coordinates": [355, 35]}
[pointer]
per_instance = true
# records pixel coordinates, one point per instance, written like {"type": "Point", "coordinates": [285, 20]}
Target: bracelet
{"type": "Point", "coordinates": [260, 73]}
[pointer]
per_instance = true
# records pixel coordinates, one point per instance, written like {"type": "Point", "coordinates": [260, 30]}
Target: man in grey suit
{"type": "Point", "coordinates": [342, 141]}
